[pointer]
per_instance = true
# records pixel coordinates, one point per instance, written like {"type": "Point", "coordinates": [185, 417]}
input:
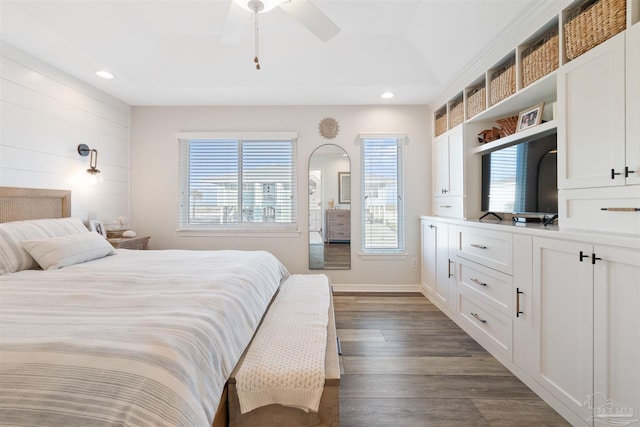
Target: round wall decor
{"type": "Point", "coordinates": [329, 128]}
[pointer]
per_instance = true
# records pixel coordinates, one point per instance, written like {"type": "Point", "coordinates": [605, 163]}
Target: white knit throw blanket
{"type": "Point", "coordinates": [285, 362]}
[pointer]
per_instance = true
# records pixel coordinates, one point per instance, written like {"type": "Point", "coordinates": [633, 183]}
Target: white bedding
{"type": "Point", "coordinates": [141, 338]}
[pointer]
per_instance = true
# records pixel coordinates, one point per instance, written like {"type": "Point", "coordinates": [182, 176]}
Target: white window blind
{"type": "Point", "coordinates": [382, 195]}
{"type": "Point", "coordinates": [238, 184]}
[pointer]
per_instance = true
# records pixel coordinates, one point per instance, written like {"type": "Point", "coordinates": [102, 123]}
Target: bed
{"type": "Point", "coordinates": [127, 337]}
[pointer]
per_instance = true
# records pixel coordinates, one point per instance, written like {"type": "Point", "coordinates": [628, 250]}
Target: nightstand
{"type": "Point", "coordinates": [138, 242]}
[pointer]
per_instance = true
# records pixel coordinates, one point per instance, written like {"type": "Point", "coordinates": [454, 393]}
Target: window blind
{"type": "Point", "coordinates": [382, 195]}
{"type": "Point", "coordinates": [238, 184]}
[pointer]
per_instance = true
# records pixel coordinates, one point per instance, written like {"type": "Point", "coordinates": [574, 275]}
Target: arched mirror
{"type": "Point", "coordinates": [329, 209]}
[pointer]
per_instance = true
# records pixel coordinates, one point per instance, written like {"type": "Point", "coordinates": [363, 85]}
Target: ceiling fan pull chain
{"type": "Point", "coordinates": [257, 32]}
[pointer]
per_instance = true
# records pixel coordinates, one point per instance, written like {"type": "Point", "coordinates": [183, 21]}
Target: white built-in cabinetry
{"type": "Point", "coordinates": [563, 315]}
{"type": "Point", "coordinates": [437, 271]}
{"type": "Point", "coordinates": [616, 334]}
{"type": "Point", "coordinates": [448, 173]}
{"type": "Point", "coordinates": [591, 110]}
{"type": "Point", "coordinates": [598, 138]}
{"type": "Point", "coordinates": [556, 305]}
{"type": "Point", "coordinates": [633, 103]}
{"type": "Point", "coordinates": [558, 309]}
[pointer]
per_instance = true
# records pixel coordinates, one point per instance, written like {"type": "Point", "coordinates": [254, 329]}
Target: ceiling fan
{"type": "Point", "coordinates": [302, 10]}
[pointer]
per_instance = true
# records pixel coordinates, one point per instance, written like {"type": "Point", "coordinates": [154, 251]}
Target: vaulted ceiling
{"type": "Point", "coordinates": [174, 52]}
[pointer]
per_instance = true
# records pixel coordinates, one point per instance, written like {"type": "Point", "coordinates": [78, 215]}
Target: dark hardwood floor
{"type": "Point", "coordinates": [404, 363]}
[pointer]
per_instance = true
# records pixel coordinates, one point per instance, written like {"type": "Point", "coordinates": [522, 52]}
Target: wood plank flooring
{"type": "Point", "coordinates": [404, 363]}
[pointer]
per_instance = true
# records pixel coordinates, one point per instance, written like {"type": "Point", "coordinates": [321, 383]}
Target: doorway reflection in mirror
{"type": "Point", "coordinates": [329, 213]}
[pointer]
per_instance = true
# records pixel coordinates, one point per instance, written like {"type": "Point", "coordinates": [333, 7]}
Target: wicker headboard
{"type": "Point", "coordinates": [33, 203]}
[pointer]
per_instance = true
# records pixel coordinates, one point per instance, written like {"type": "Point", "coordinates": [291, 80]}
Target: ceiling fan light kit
{"type": "Point", "coordinates": [303, 10]}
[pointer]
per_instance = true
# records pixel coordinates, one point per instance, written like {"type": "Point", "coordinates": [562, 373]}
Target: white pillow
{"type": "Point", "coordinates": [13, 257]}
{"type": "Point", "coordinates": [58, 252]}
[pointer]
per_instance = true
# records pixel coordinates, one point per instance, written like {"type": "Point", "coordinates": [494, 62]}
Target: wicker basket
{"type": "Point", "coordinates": [456, 113]}
{"type": "Point", "coordinates": [508, 125]}
{"type": "Point", "coordinates": [541, 58]}
{"type": "Point", "coordinates": [476, 100]}
{"type": "Point", "coordinates": [441, 122]}
{"type": "Point", "coordinates": [592, 23]}
{"type": "Point", "coordinates": [503, 82]}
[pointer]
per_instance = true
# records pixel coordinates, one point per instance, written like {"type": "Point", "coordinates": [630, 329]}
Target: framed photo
{"type": "Point", "coordinates": [530, 117]}
{"type": "Point", "coordinates": [98, 227]}
{"type": "Point", "coordinates": [344, 187]}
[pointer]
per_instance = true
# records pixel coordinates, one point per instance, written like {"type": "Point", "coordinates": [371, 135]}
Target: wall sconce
{"type": "Point", "coordinates": [93, 170]}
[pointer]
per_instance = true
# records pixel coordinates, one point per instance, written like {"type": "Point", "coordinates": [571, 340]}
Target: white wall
{"type": "Point", "coordinates": [154, 172]}
{"type": "Point", "coordinates": [44, 115]}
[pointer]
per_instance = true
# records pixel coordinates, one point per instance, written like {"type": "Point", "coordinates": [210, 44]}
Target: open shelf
{"type": "Point", "coordinates": [539, 131]}
{"type": "Point", "coordinates": [543, 90]}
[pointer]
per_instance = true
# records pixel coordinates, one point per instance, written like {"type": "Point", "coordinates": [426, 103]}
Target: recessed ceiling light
{"type": "Point", "coordinates": [388, 95]}
{"type": "Point", "coordinates": [104, 74]}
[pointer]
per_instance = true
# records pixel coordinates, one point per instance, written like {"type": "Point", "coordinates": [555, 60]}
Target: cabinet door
{"type": "Point", "coordinates": [591, 114]}
{"type": "Point", "coordinates": [522, 293]}
{"type": "Point", "coordinates": [633, 105]}
{"type": "Point", "coordinates": [456, 162]}
{"type": "Point", "coordinates": [443, 267]}
{"type": "Point", "coordinates": [441, 166]}
{"type": "Point", "coordinates": [428, 267]}
{"type": "Point", "coordinates": [616, 336]}
{"type": "Point", "coordinates": [563, 321]}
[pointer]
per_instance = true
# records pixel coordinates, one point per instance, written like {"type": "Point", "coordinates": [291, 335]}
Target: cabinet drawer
{"type": "Point", "coordinates": [451, 207]}
{"type": "Point", "coordinates": [487, 247]}
{"type": "Point", "coordinates": [486, 325]}
{"type": "Point", "coordinates": [583, 209]}
{"type": "Point", "coordinates": [487, 285]}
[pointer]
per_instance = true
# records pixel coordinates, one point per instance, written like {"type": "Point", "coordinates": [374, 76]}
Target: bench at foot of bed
{"type": "Point", "coordinates": [278, 415]}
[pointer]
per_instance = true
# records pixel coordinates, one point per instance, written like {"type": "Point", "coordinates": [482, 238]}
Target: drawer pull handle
{"type": "Point", "coordinates": [478, 282]}
{"type": "Point", "coordinates": [518, 293]}
{"type": "Point", "coordinates": [621, 209]}
{"type": "Point", "coordinates": [627, 171]}
{"type": "Point", "coordinates": [449, 273]}
{"type": "Point", "coordinates": [480, 319]}
{"type": "Point", "coordinates": [475, 245]}
{"type": "Point", "coordinates": [445, 206]}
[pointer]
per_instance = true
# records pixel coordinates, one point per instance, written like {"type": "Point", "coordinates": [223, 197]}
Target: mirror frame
{"type": "Point", "coordinates": [329, 202]}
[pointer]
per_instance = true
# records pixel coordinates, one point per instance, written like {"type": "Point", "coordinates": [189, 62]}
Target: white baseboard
{"type": "Point", "coordinates": [375, 287]}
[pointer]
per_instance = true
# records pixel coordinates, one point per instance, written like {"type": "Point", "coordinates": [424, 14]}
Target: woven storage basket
{"type": "Point", "coordinates": [476, 101]}
{"type": "Point", "coordinates": [508, 125]}
{"type": "Point", "coordinates": [441, 123]}
{"type": "Point", "coordinates": [503, 82]}
{"type": "Point", "coordinates": [456, 113]}
{"type": "Point", "coordinates": [591, 23]}
{"type": "Point", "coordinates": [541, 58]}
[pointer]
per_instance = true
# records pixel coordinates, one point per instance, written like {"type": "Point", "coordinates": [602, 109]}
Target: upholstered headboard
{"type": "Point", "coordinates": [33, 203]}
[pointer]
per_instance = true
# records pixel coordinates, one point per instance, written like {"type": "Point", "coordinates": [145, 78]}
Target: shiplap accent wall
{"type": "Point", "coordinates": [45, 113]}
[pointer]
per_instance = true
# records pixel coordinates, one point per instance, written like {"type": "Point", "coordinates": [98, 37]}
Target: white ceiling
{"type": "Point", "coordinates": [170, 52]}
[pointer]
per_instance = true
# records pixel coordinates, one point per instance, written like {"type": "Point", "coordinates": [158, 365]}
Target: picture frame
{"type": "Point", "coordinates": [530, 117]}
{"type": "Point", "coordinates": [98, 227]}
{"type": "Point", "coordinates": [344, 187]}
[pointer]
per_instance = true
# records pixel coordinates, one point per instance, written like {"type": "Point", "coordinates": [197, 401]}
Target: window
{"type": "Point", "coordinates": [244, 183]}
{"type": "Point", "coordinates": [382, 195]}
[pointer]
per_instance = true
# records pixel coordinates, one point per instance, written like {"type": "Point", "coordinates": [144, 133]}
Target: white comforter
{"type": "Point", "coordinates": [141, 338]}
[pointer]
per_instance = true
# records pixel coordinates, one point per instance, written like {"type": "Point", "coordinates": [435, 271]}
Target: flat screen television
{"type": "Point", "coordinates": [522, 178]}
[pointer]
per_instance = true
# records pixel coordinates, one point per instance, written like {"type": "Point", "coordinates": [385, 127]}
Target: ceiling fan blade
{"type": "Point", "coordinates": [235, 24]}
{"type": "Point", "coordinates": [312, 18]}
